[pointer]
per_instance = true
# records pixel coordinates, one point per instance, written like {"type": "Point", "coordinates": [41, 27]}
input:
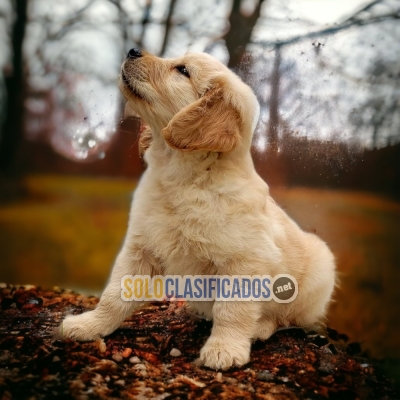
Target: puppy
{"type": "Point", "coordinates": [201, 209]}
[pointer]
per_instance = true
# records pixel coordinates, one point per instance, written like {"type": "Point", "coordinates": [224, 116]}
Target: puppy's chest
{"type": "Point", "coordinates": [203, 225]}
{"type": "Point", "coordinates": [187, 222]}
{"type": "Point", "coordinates": [188, 218]}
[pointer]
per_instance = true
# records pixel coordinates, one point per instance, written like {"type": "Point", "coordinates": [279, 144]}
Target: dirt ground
{"type": "Point", "coordinates": [152, 355]}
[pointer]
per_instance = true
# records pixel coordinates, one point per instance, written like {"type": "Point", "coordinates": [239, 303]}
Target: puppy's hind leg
{"type": "Point", "coordinates": [266, 326]}
{"type": "Point", "coordinates": [111, 310]}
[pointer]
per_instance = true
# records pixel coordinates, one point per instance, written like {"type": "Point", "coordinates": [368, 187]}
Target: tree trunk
{"type": "Point", "coordinates": [13, 126]}
{"type": "Point", "coordinates": [273, 124]}
{"type": "Point", "coordinates": [240, 31]}
{"type": "Point", "coordinates": [168, 25]}
{"type": "Point", "coordinates": [276, 173]}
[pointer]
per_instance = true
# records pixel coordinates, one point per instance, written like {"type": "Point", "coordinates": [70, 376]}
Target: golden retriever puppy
{"type": "Point", "coordinates": [201, 209]}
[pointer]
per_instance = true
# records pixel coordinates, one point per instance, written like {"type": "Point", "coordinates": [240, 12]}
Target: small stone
{"type": "Point", "coordinates": [326, 367]}
{"type": "Point", "coordinates": [265, 376]}
{"type": "Point", "coordinates": [301, 372]}
{"type": "Point", "coordinates": [218, 377]}
{"type": "Point", "coordinates": [175, 352]}
{"type": "Point", "coordinates": [364, 365]}
{"type": "Point", "coordinates": [284, 379]}
{"type": "Point", "coordinates": [56, 359]}
{"type": "Point", "coordinates": [120, 382]}
{"type": "Point", "coordinates": [141, 367]}
{"type": "Point", "coordinates": [117, 357]}
{"type": "Point", "coordinates": [36, 301]}
{"type": "Point", "coordinates": [134, 360]}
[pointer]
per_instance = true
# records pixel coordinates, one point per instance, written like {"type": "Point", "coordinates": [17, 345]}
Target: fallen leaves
{"type": "Point", "coordinates": [152, 356]}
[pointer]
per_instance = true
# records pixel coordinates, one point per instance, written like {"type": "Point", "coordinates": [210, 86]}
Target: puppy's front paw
{"type": "Point", "coordinates": [86, 326]}
{"type": "Point", "coordinates": [223, 354]}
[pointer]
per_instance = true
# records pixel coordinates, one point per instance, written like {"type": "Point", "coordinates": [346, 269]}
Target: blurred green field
{"type": "Point", "coordinates": [66, 231]}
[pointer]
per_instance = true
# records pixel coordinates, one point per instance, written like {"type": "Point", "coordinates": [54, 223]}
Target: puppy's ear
{"type": "Point", "coordinates": [209, 124]}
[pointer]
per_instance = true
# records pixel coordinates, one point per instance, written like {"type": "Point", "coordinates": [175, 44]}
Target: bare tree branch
{"type": "Point", "coordinates": [145, 21]}
{"type": "Point", "coordinates": [68, 23]}
{"type": "Point", "coordinates": [329, 31]}
{"type": "Point", "coordinates": [168, 25]}
{"type": "Point", "coordinates": [361, 10]}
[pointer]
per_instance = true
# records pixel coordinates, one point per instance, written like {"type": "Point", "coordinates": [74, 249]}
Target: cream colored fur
{"type": "Point", "coordinates": [201, 208]}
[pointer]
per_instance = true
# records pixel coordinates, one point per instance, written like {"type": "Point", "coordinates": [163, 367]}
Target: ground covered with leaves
{"type": "Point", "coordinates": [152, 356]}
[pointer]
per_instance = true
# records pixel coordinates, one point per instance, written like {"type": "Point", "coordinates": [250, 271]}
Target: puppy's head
{"type": "Point", "coordinates": [194, 101]}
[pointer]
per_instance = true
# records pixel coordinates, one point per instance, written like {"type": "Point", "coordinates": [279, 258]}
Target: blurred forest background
{"type": "Point", "coordinates": [326, 73]}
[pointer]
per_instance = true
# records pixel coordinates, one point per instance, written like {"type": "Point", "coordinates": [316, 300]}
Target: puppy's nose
{"type": "Point", "coordinates": [134, 53]}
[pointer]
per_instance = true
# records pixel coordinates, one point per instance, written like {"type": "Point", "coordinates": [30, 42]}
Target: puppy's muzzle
{"type": "Point", "coordinates": [133, 54]}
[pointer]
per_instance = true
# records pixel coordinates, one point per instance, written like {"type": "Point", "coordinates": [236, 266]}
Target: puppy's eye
{"type": "Point", "coordinates": [183, 70]}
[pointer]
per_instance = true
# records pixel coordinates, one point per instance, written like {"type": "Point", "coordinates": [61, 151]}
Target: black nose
{"type": "Point", "coordinates": [134, 53]}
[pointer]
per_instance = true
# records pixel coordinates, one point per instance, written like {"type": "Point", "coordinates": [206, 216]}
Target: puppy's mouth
{"type": "Point", "coordinates": [130, 87]}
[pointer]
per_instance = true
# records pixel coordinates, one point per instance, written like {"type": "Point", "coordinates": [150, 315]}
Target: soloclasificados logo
{"type": "Point", "coordinates": [282, 288]}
